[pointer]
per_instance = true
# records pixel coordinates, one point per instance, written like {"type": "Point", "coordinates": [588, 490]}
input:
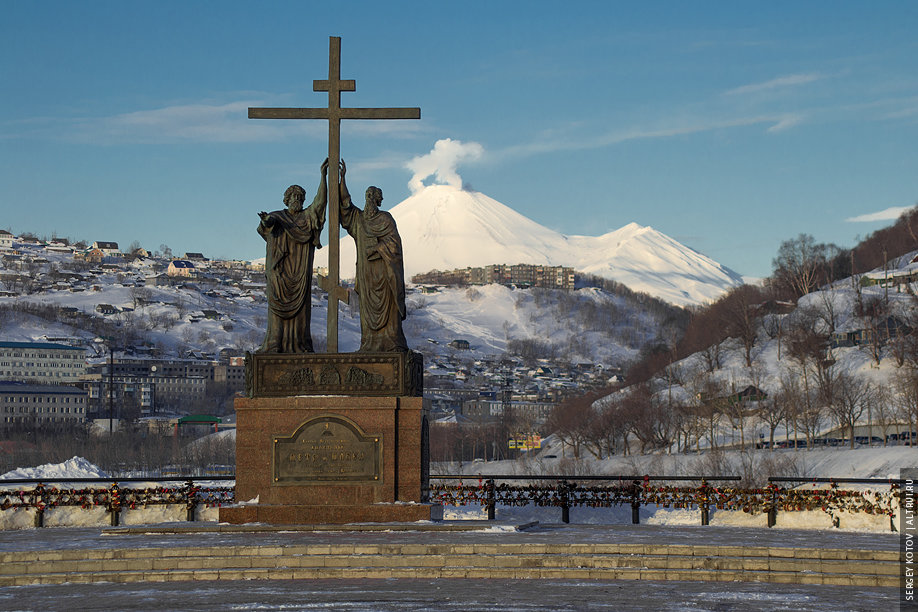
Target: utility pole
{"type": "Point", "coordinates": [111, 389]}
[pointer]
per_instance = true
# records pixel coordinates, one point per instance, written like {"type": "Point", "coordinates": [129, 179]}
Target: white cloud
{"type": "Point", "coordinates": [786, 122]}
{"type": "Point", "coordinates": [181, 124]}
{"type": "Point", "coordinates": [778, 83]}
{"type": "Point", "coordinates": [890, 214]}
{"type": "Point", "coordinates": [441, 163]}
{"type": "Point", "coordinates": [606, 139]}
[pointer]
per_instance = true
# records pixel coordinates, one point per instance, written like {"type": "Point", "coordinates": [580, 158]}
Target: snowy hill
{"type": "Point", "coordinates": [444, 227]}
{"type": "Point", "coordinates": [823, 366]}
{"type": "Point", "coordinates": [587, 325]}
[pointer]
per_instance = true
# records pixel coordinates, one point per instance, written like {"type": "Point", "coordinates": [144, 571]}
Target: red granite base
{"type": "Point", "coordinates": [391, 494]}
{"type": "Point", "coordinates": [316, 515]}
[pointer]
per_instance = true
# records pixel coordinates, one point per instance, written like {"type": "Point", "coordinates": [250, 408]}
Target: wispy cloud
{"type": "Point", "coordinates": [890, 214]}
{"type": "Point", "coordinates": [777, 83]}
{"type": "Point", "coordinates": [560, 140]}
{"type": "Point", "coordinates": [786, 122]}
{"type": "Point", "coordinates": [907, 109]}
{"type": "Point", "coordinates": [189, 123]}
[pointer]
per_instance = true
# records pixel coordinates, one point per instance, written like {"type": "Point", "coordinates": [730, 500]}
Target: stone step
{"type": "Point", "coordinates": [582, 561]}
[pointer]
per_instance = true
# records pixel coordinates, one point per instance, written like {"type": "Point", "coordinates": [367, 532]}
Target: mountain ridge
{"type": "Point", "coordinates": [445, 227]}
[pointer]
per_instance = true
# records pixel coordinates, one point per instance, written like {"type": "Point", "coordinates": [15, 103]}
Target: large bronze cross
{"type": "Point", "coordinates": [334, 85]}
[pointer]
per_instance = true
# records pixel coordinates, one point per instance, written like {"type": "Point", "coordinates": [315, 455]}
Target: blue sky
{"type": "Point", "coordinates": [730, 126]}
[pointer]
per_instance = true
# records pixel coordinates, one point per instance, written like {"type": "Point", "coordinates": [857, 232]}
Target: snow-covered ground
{"type": "Point", "coordinates": [555, 458]}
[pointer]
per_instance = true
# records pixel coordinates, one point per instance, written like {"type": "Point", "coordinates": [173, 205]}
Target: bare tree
{"type": "Point", "coordinates": [800, 264]}
{"type": "Point", "coordinates": [851, 398]}
{"type": "Point", "coordinates": [140, 296]}
{"type": "Point", "coordinates": [874, 313]}
{"type": "Point", "coordinates": [651, 421]}
{"type": "Point", "coordinates": [570, 421]}
{"type": "Point", "coordinates": [806, 348]}
{"type": "Point", "coordinates": [712, 356]}
{"type": "Point", "coordinates": [709, 398]}
{"type": "Point", "coordinates": [882, 412]}
{"type": "Point", "coordinates": [906, 400]}
{"type": "Point", "coordinates": [773, 411]}
{"type": "Point", "coordinates": [740, 317]}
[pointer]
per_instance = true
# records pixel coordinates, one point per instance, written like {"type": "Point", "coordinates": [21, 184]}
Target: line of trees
{"type": "Point", "coordinates": [127, 452]}
{"type": "Point", "coordinates": [678, 404]}
{"type": "Point", "coordinates": [801, 266]}
{"type": "Point", "coordinates": [811, 396]}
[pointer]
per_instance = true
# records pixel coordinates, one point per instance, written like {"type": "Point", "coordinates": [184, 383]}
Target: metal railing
{"type": "Point", "coordinates": [489, 491]}
{"type": "Point", "coordinates": [638, 491]}
{"type": "Point", "coordinates": [114, 498]}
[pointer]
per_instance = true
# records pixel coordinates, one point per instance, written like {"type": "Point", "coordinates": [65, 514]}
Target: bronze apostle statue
{"type": "Point", "coordinates": [380, 281]}
{"type": "Point", "coordinates": [292, 236]}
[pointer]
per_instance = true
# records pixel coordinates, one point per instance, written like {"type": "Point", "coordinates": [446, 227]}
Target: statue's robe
{"type": "Point", "coordinates": [380, 282]}
{"type": "Point", "coordinates": [291, 244]}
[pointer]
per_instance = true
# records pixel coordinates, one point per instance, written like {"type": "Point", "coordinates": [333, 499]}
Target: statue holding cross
{"type": "Point", "coordinates": [334, 113]}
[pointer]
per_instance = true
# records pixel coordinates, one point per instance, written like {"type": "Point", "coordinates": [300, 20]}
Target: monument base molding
{"type": "Point", "coordinates": [318, 515]}
{"type": "Point", "coordinates": [330, 459]}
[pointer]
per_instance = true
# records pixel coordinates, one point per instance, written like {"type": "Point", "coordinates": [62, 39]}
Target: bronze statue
{"type": "Point", "coordinates": [292, 236]}
{"type": "Point", "coordinates": [380, 271]}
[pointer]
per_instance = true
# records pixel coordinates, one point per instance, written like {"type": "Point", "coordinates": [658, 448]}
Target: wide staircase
{"type": "Point", "coordinates": [427, 561]}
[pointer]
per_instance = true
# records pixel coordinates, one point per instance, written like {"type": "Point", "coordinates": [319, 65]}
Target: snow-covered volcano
{"type": "Point", "coordinates": [444, 227]}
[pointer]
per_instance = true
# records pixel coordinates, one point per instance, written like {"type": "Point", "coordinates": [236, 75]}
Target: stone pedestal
{"type": "Point", "coordinates": [329, 458]}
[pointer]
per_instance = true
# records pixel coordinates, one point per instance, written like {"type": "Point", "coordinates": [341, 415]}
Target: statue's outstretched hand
{"type": "Point", "coordinates": [342, 168]}
{"type": "Point", "coordinates": [325, 167]}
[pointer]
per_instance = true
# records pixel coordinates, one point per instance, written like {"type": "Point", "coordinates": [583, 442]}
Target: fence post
{"type": "Point", "coordinates": [773, 508]}
{"type": "Point", "coordinates": [704, 502]}
{"type": "Point", "coordinates": [489, 489]}
{"type": "Point", "coordinates": [114, 504]}
{"type": "Point", "coordinates": [39, 503]}
{"type": "Point", "coordinates": [191, 501]}
{"type": "Point", "coordinates": [636, 503]}
{"type": "Point", "coordinates": [564, 497]}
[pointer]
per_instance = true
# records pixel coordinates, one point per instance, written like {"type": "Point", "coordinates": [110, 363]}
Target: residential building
{"type": "Point", "coordinates": [6, 240]}
{"type": "Point", "coordinates": [535, 413]}
{"type": "Point", "coordinates": [109, 249]}
{"type": "Point", "coordinates": [148, 386]}
{"type": "Point", "coordinates": [24, 405]}
{"type": "Point", "coordinates": [41, 363]}
{"type": "Point", "coordinates": [180, 267]}
{"type": "Point", "coordinates": [522, 275]}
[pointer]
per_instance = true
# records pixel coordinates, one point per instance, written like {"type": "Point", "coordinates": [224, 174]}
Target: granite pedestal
{"type": "Point", "coordinates": [339, 458]}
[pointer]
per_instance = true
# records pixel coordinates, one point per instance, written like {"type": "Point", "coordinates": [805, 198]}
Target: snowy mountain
{"type": "Point", "coordinates": [444, 227]}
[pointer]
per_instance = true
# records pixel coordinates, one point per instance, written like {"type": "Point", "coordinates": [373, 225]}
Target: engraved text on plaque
{"type": "Point", "coordinates": [328, 448]}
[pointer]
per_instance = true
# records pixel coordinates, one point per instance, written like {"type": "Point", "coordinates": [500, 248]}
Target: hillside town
{"type": "Point", "coordinates": [95, 336]}
{"type": "Point", "coordinates": [106, 350]}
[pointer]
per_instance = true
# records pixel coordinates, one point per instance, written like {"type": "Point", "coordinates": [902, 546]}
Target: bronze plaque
{"type": "Point", "coordinates": [327, 448]}
{"type": "Point", "coordinates": [360, 374]}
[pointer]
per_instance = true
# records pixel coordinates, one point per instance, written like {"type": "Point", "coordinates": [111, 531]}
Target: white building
{"type": "Point", "coordinates": [41, 363]}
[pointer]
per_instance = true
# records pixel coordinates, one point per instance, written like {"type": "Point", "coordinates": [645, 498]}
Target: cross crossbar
{"type": "Point", "coordinates": [334, 113]}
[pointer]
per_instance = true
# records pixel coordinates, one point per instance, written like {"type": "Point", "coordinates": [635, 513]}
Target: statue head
{"type": "Point", "coordinates": [374, 196]}
{"type": "Point", "coordinates": [294, 198]}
